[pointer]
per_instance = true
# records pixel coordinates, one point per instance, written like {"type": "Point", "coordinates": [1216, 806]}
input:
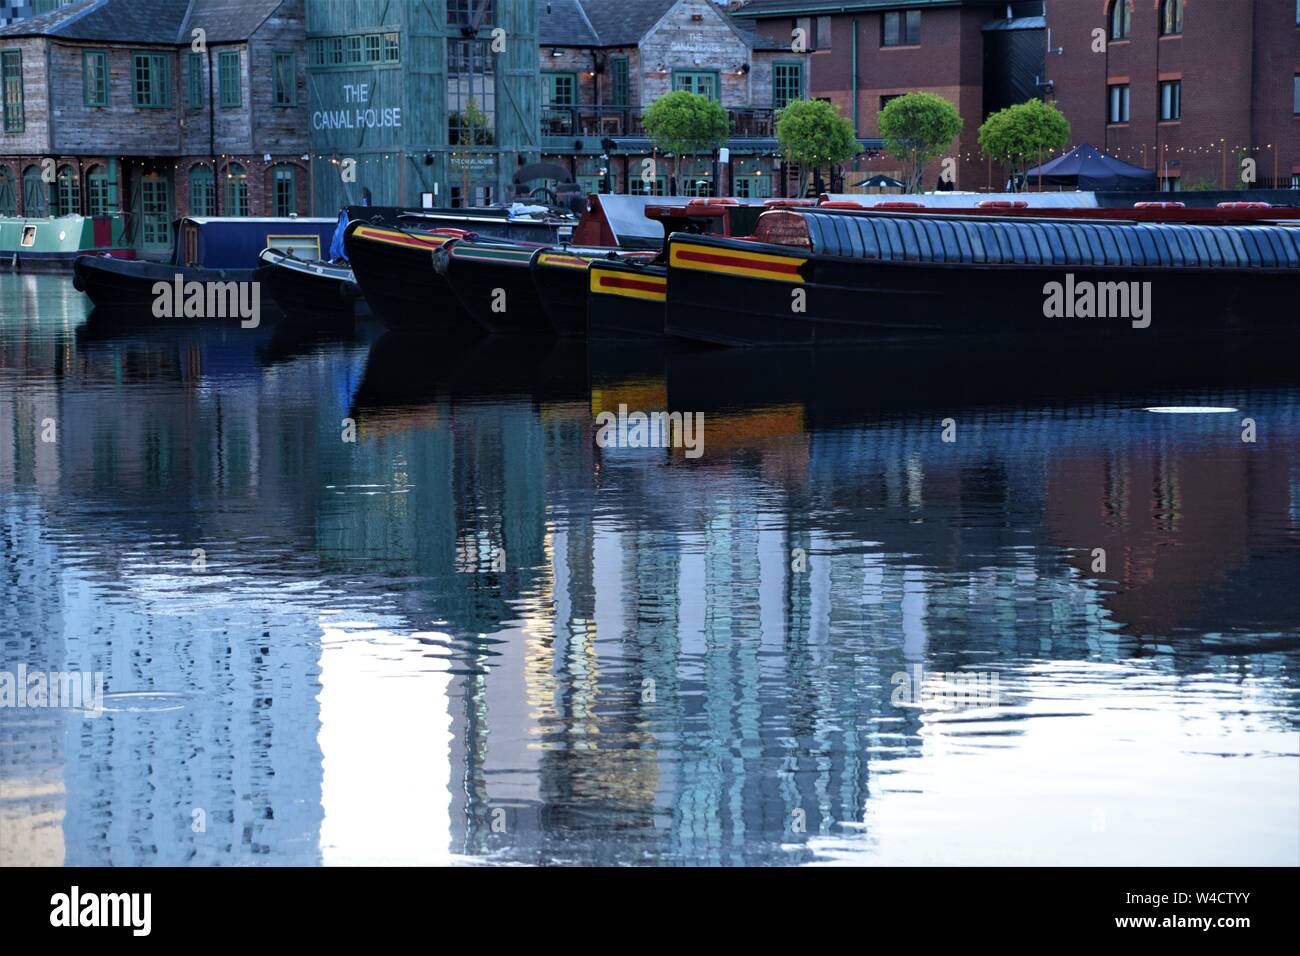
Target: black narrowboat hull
{"type": "Point", "coordinates": [560, 279]}
{"type": "Point", "coordinates": [308, 288]}
{"type": "Point", "coordinates": [126, 286]}
{"type": "Point", "coordinates": [394, 271]}
{"type": "Point", "coordinates": [626, 301]}
{"type": "Point", "coordinates": [744, 293]}
{"type": "Point", "coordinates": [494, 283]}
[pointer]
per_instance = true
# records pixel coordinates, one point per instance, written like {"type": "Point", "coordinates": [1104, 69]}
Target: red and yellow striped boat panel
{"type": "Point", "coordinates": [395, 237]}
{"type": "Point", "coordinates": [629, 285]}
{"type": "Point", "coordinates": [739, 262]}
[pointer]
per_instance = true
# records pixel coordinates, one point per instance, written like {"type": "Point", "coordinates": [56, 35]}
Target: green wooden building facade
{"type": "Point", "coordinates": [411, 100]}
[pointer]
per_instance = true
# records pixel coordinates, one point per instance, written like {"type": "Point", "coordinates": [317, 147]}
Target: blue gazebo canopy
{"type": "Point", "coordinates": [1085, 168]}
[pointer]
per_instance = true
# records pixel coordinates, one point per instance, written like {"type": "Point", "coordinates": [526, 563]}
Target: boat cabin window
{"type": "Point", "coordinates": [29, 237]}
{"type": "Point", "coordinates": [300, 247]}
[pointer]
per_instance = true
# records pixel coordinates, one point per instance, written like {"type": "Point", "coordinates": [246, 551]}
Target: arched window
{"type": "Point", "coordinates": [98, 202]}
{"type": "Point", "coordinates": [203, 191]}
{"type": "Point", "coordinates": [8, 199]}
{"type": "Point", "coordinates": [236, 190]}
{"type": "Point", "coordinates": [285, 187]}
{"type": "Point", "coordinates": [1121, 20]}
{"type": "Point", "coordinates": [1171, 17]}
{"type": "Point", "coordinates": [35, 195]}
{"type": "Point", "coordinates": [67, 192]}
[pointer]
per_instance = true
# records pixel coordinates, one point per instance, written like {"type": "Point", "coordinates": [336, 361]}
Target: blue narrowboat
{"type": "Point", "coordinates": [207, 249]}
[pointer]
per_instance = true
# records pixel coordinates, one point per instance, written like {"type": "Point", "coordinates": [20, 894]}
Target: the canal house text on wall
{"type": "Point", "coordinates": [361, 116]}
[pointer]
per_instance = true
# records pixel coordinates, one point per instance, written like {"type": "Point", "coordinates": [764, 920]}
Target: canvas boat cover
{"type": "Point", "coordinates": [1096, 244]}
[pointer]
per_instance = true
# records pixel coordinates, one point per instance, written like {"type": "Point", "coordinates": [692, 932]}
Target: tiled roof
{"type": "Point", "coordinates": [563, 23]}
{"type": "Point", "coordinates": [624, 22]}
{"type": "Point", "coordinates": [772, 8]}
{"type": "Point", "coordinates": [147, 21]}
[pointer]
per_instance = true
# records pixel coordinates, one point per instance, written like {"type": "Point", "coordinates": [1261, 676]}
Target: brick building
{"type": "Point", "coordinates": [115, 105]}
{"type": "Point", "coordinates": [603, 61]}
{"type": "Point", "coordinates": [1189, 88]}
{"type": "Point", "coordinates": [980, 55]}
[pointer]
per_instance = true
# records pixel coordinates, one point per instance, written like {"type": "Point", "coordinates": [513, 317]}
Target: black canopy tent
{"type": "Point", "coordinates": [1091, 171]}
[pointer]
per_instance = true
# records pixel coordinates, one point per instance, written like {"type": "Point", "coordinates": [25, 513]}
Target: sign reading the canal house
{"type": "Point", "coordinates": [358, 113]}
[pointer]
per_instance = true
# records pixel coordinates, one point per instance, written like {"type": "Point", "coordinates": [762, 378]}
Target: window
{"type": "Point", "coordinates": [284, 80]}
{"type": "Point", "coordinates": [471, 93]}
{"type": "Point", "coordinates": [203, 192]}
{"type": "Point", "coordinates": [1121, 19]}
{"type": "Point", "coordinates": [98, 202]}
{"type": "Point", "coordinates": [1171, 100]}
{"type": "Point", "coordinates": [236, 190]}
{"type": "Point", "coordinates": [559, 89]}
{"type": "Point", "coordinates": [823, 33]}
{"type": "Point", "coordinates": [1295, 96]}
{"type": "Point", "coordinates": [8, 199]}
{"type": "Point", "coordinates": [1117, 111]}
{"type": "Point", "coordinates": [286, 191]}
{"type": "Point", "coordinates": [889, 98]}
{"type": "Point", "coordinates": [155, 211]}
{"type": "Point", "coordinates": [354, 50]}
{"type": "Point", "coordinates": [94, 77]}
{"type": "Point", "coordinates": [901, 28]}
{"type": "Point", "coordinates": [469, 13]}
{"type": "Point", "coordinates": [619, 88]}
{"type": "Point", "coordinates": [696, 184]}
{"type": "Point", "coordinates": [700, 83]}
{"type": "Point", "coordinates": [35, 196]}
{"type": "Point", "coordinates": [787, 83]}
{"type": "Point", "coordinates": [197, 69]}
{"type": "Point", "coordinates": [752, 187]}
{"type": "Point", "coordinates": [228, 79]}
{"type": "Point", "coordinates": [153, 76]}
{"type": "Point", "coordinates": [647, 186]}
{"type": "Point", "coordinates": [11, 76]}
{"type": "Point", "coordinates": [1171, 17]}
{"type": "Point", "coordinates": [67, 192]}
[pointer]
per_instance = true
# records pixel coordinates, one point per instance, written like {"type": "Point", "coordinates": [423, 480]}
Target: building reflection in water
{"type": "Point", "coordinates": [474, 633]}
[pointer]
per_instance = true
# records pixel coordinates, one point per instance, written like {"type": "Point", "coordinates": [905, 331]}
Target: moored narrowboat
{"type": "Point", "coordinates": [813, 276]}
{"type": "Point", "coordinates": [53, 244]}
{"type": "Point", "coordinates": [493, 282]}
{"type": "Point", "coordinates": [560, 277]}
{"type": "Point", "coordinates": [393, 269]}
{"type": "Point", "coordinates": [626, 299]}
{"type": "Point", "coordinates": [308, 288]}
{"type": "Point", "coordinates": [206, 250]}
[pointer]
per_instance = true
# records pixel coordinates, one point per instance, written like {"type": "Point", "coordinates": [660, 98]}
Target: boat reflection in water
{"type": "Point", "coordinates": [476, 632]}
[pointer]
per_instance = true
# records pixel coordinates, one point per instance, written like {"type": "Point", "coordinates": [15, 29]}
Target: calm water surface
{"type": "Point", "coordinates": [473, 635]}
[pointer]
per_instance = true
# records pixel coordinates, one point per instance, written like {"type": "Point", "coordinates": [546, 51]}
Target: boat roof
{"type": "Point", "coordinates": [286, 220]}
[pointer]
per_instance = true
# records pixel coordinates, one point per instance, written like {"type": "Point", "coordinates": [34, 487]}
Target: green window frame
{"type": "Point", "coordinates": [67, 192]}
{"type": "Point", "coordinates": [11, 78]}
{"type": "Point", "coordinates": [286, 190]}
{"type": "Point", "coordinates": [203, 191]}
{"type": "Point", "coordinates": [229, 64]}
{"type": "Point", "coordinates": [752, 187]}
{"type": "Point", "coordinates": [236, 190]}
{"type": "Point", "coordinates": [647, 185]}
{"type": "Point", "coordinates": [8, 197]}
{"type": "Point", "coordinates": [559, 89]}
{"type": "Point", "coordinates": [284, 79]}
{"type": "Point", "coordinates": [392, 48]}
{"type": "Point", "coordinates": [152, 74]}
{"type": "Point", "coordinates": [94, 77]}
{"type": "Point", "coordinates": [700, 82]}
{"type": "Point", "coordinates": [620, 89]}
{"type": "Point", "coordinates": [787, 83]}
{"type": "Point", "coordinates": [35, 194]}
{"type": "Point", "coordinates": [97, 201]}
{"type": "Point", "coordinates": [198, 67]}
{"type": "Point", "coordinates": [155, 211]}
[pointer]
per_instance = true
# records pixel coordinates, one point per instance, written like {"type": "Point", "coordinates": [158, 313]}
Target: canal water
{"type": "Point", "coordinates": [358, 598]}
